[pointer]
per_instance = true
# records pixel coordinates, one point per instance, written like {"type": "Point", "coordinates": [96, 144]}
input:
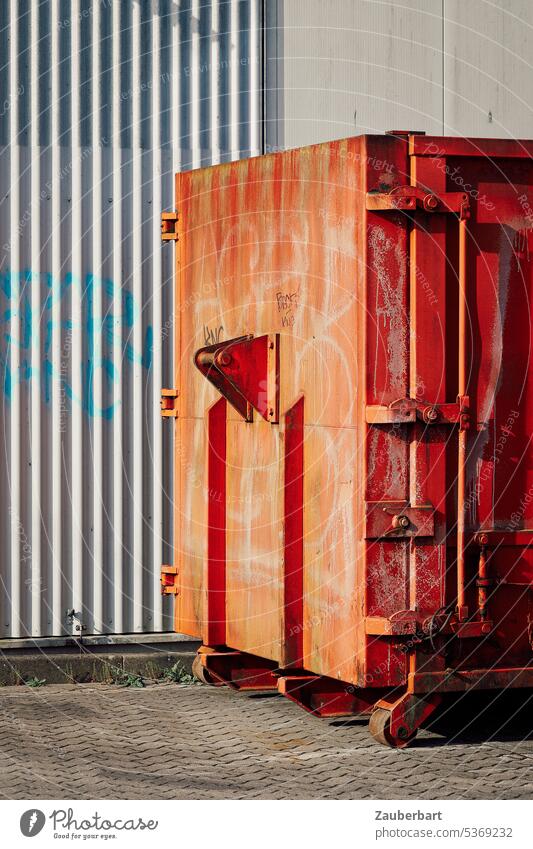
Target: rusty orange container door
{"type": "Point", "coordinates": [271, 552]}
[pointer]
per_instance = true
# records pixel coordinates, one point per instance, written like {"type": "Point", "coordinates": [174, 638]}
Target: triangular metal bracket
{"type": "Point", "coordinates": [245, 371]}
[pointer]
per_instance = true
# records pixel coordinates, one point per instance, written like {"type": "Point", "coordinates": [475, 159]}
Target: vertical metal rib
{"type": "Point", "coordinates": [254, 116]}
{"type": "Point", "coordinates": [77, 464]}
{"type": "Point", "coordinates": [194, 97]}
{"type": "Point", "coordinates": [56, 343]}
{"type": "Point", "coordinates": [177, 105]}
{"type": "Point", "coordinates": [234, 80]}
{"type": "Point", "coordinates": [14, 331]}
{"type": "Point", "coordinates": [34, 579]}
{"type": "Point", "coordinates": [116, 336]}
{"type": "Point", "coordinates": [215, 89]}
{"type": "Point", "coordinates": [137, 411]}
{"type": "Point", "coordinates": [95, 399]}
{"type": "Point", "coordinates": [156, 376]}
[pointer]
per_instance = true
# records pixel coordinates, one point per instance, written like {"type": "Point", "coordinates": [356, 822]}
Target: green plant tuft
{"type": "Point", "coordinates": [177, 674]}
{"type": "Point", "coordinates": [128, 679]}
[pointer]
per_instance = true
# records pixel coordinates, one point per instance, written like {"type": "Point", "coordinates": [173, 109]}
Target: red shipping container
{"type": "Point", "coordinates": [353, 409]}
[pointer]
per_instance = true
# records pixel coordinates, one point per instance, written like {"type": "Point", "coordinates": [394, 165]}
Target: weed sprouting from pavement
{"type": "Point", "coordinates": [128, 679]}
{"type": "Point", "coordinates": [177, 674]}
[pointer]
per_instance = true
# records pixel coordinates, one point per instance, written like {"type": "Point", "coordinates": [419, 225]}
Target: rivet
{"type": "Point", "coordinates": [223, 358]}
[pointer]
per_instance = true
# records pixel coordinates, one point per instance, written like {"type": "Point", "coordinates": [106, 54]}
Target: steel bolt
{"type": "Point", "coordinates": [223, 358]}
{"type": "Point", "coordinates": [204, 358]}
{"type": "Point", "coordinates": [430, 202]}
{"type": "Point", "coordinates": [402, 521]}
{"type": "Point", "coordinates": [431, 414]}
{"type": "Point", "coordinates": [403, 408]}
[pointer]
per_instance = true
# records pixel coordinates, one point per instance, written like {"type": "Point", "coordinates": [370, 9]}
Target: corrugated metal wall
{"type": "Point", "coordinates": [101, 102]}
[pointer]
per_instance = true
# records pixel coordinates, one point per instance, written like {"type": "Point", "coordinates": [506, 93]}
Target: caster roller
{"type": "Point", "coordinates": [201, 673]}
{"type": "Point", "coordinates": [379, 727]}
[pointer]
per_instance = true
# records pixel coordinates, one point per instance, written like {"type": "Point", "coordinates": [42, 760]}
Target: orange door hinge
{"type": "Point", "coordinates": [169, 580]}
{"type": "Point", "coordinates": [169, 403]}
{"type": "Point", "coordinates": [169, 226]}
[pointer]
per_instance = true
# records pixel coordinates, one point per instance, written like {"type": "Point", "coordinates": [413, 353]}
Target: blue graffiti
{"type": "Point", "coordinates": [105, 338]}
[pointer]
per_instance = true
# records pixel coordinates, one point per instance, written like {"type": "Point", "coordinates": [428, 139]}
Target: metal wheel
{"type": "Point", "coordinates": [201, 674]}
{"type": "Point", "coordinates": [379, 727]}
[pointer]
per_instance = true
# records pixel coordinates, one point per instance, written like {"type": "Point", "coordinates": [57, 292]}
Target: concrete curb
{"type": "Point", "coordinates": [86, 664]}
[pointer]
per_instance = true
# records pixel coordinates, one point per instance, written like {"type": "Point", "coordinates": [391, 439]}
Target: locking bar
{"type": "Point", "coordinates": [398, 519]}
{"type": "Point", "coordinates": [494, 538]}
{"type": "Point", "coordinates": [403, 622]}
{"type": "Point", "coordinates": [475, 628]}
{"type": "Point", "coordinates": [411, 198]}
{"type": "Point", "coordinates": [408, 410]}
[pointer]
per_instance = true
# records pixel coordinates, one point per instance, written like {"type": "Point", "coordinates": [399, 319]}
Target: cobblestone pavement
{"type": "Point", "coordinates": [172, 741]}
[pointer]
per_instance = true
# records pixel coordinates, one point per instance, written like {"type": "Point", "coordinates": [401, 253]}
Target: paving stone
{"type": "Point", "coordinates": [196, 742]}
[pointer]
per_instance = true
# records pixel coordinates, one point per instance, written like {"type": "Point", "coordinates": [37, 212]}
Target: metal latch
{"type": "Point", "coordinates": [475, 628]}
{"type": "Point", "coordinates": [169, 226]}
{"type": "Point", "coordinates": [169, 403]}
{"type": "Point", "coordinates": [398, 519]}
{"type": "Point", "coordinates": [410, 198]}
{"type": "Point", "coordinates": [169, 580]}
{"type": "Point", "coordinates": [405, 410]}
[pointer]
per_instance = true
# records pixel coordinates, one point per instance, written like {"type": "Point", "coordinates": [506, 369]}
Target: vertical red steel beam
{"type": "Point", "coordinates": [462, 610]}
{"type": "Point", "coordinates": [293, 586]}
{"type": "Point", "coordinates": [428, 382]}
{"type": "Point", "coordinates": [214, 629]}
